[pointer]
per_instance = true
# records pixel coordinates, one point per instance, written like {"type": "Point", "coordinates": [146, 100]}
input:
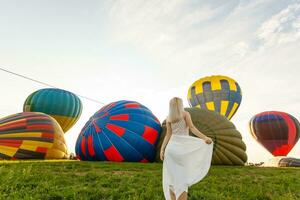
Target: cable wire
{"type": "Point", "coordinates": [46, 84]}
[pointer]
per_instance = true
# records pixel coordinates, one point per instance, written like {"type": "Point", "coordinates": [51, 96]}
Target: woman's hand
{"type": "Point", "coordinates": [208, 140]}
{"type": "Point", "coordinates": [162, 156]}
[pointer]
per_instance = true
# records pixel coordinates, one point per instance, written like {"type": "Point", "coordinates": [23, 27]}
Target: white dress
{"type": "Point", "coordinates": [187, 160]}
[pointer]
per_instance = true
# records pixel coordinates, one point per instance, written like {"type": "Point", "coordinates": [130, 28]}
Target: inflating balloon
{"type": "Point", "coordinates": [62, 105]}
{"type": "Point", "coordinates": [218, 93]}
{"type": "Point", "coordinates": [282, 161]}
{"type": "Point", "coordinates": [120, 131]}
{"type": "Point", "coordinates": [277, 131]}
{"type": "Point", "coordinates": [31, 135]}
{"type": "Point", "coordinates": [289, 162]}
{"type": "Point", "coordinates": [229, 148]}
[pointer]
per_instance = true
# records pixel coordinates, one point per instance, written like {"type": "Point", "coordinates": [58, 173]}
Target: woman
{"type": "Point", "coordinates": [186, 159]}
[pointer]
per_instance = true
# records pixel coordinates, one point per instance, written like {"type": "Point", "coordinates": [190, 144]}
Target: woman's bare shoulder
{"type": "Point", "coordinates": [187, 117]}
{"type": "Point", "coordinates": [186, 113]}
{"type": "Point", "coordinates": [168, 120]}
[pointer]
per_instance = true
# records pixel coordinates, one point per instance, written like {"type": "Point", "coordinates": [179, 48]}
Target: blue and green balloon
{"type": "Point", "coordinates": [62, 105]}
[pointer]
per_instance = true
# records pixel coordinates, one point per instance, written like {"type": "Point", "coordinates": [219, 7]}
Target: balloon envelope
{"type": "Point", "coordinates": [120, 131]}
{"type": "Point", "coordinates": [62, 105]}
{"type": "Point", "coordinates": [31, 135]}
{"type": "Point", "coordinates": [289, 162]}
{"type": "Point", "coordinates": [277, 131]}
{"type": "Point", "coordinates": [229, 148]}
{"type": "Point", "coordinates": [217, 93]}
{"type": "Point", "coordinates": [282, 161]}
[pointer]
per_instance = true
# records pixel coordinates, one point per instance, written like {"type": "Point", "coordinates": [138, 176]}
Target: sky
{"type": "Point", "coordinates": [151, 51]}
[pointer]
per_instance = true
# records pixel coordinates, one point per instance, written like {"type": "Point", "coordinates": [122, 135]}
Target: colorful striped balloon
{"type": "Point", "coordinates": [120, 131]}
{"type": "Point", "coordinates": [217, 93]}
{"type": "Point", "coordinates": [62, 105]}
{"type": "Point", "coordinates": [31, 135]}
{"type": "Point", "coordinates": [277, 131]}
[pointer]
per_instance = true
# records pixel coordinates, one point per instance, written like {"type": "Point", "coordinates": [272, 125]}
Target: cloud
{"type": "Point", "coordinates": [281, 28]}
{"type": "Point", "coordinates": [158, 27]}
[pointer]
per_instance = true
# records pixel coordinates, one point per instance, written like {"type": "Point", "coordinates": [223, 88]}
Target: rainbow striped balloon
{"type": "Point", "coordinates": [31, 135]}
{"type": "Point", "coordinates": [62, 105]}
{"type": "Point", "coordinates": [120, 131]}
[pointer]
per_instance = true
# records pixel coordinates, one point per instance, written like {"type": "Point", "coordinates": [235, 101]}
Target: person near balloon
{"type": "Point", "coordinates": [186, 159]}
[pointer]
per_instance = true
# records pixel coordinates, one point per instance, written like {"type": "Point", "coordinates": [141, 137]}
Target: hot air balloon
{"type": "Point", "coordinates": [229, 148]}
{"type": "Point", "coordinates": [62, 105]}
{"type": "Point", "coordinates": [277, 131]}
{"type": "Point", "coordinates": [120, 131]}
{"type": "Point", "coordinates": [282, 161]}
{"type": "Point", "coordinates": [31, 135]}
{"type": "Point", "coordinates": [289, 162]}
{"type": "Point", "coordinates": [218, 93]}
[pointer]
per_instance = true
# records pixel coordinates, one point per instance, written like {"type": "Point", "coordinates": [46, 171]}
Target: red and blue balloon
{"type": "Point", "coordinates": [121, 131]}
{"type": "Point", "coordinates": [277, 131]}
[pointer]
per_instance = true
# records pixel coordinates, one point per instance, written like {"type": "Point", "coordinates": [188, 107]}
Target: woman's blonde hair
{"type": "Point", "coordinates": [175, 110]}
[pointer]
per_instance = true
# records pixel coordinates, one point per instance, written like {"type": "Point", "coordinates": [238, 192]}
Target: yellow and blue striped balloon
{"type": "Point", "coordinates": [62, 105]}
{"type": "Point", "coordinates": [217, 93]}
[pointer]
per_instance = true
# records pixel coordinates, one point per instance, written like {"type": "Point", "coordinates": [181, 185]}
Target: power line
{"type": "Point", "coordinates": [46, 84]}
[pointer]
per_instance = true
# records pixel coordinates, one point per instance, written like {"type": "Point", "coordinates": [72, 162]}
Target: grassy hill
{"type": "Point", "coordinates": [123, 181]}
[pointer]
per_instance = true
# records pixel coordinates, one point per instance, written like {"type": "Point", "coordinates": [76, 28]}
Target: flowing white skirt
{"type": "Point", "coordinates": [187, 160]}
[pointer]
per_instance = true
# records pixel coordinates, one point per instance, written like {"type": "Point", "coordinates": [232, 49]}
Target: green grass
{"type": "Point", "coordinates": [123, 181]}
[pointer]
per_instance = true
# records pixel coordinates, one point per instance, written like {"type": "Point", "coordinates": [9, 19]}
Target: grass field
{"type": "Point", "coordinates": [123, 181]}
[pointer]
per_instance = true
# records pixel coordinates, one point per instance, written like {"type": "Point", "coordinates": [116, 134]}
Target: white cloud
{"type": "Point", "coordinates": [155, 26]}
{"type": "Point", "coordinates": [281, 28]}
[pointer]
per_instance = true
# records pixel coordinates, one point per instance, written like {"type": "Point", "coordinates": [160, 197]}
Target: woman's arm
{"type": "Point", "coordinates": [195, 130]}
{"type": "Point", "coordinates": [166, 140]}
